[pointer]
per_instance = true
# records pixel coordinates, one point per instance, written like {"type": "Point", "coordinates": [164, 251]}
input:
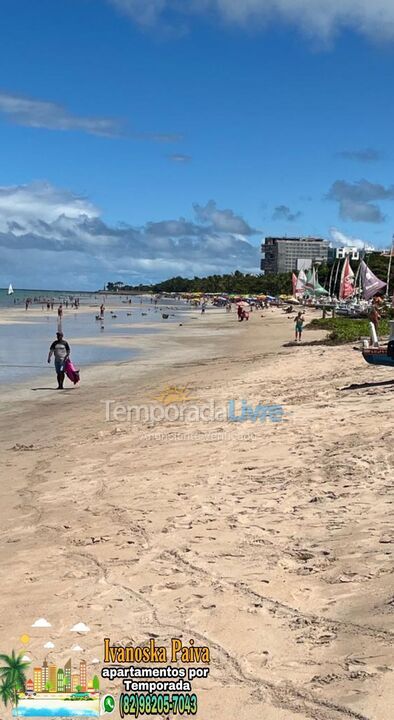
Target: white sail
{"type": "Point", "coordinates": [10, 289]}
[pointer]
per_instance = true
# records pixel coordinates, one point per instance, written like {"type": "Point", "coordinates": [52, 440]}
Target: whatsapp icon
{"type": "Point", "coordinates": [108, 703]}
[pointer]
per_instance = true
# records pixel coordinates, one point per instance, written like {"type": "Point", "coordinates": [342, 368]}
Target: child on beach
{"type": "Point", "coordinates": [299, 324]}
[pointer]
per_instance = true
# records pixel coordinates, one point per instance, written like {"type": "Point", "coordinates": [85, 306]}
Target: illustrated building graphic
{"type": "Point", "coordinates": [53, 678]}
{"type": "Point", "coordinates": [83, 675]}
{"type": "Point", "coordinates": [37, 679]}
{"type": "Point", "coordinates": [50, 678]}
{"type": "Point", "coordinates": [44, 676]}
{"type": "Point", "coordinates": [60, 680]}
{"type": "Point", "coordinates": [67, 676]}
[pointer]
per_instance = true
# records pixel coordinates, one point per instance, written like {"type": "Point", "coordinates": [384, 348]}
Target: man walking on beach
{"type": "Point", "coordinates": [61, 350]}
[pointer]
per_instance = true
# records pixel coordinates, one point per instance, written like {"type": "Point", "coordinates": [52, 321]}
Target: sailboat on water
{"type": "Point", "coordinates": [10, 290]}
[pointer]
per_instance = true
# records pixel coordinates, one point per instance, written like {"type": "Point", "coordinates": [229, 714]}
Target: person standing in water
{"type": "Point", "coordinates": [61, 351]}
{"type": "Point", "coordinates": [299, 324]}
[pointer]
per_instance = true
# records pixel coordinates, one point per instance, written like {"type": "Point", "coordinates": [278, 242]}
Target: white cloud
{"type": "Point", "coordinates": [47, 232]}
{"type": "Point", "coordinates": [41, 623]}
{"type": "Point", "coordinates": [80, 627]}
{"type": "Point", "coordinates": [26, 658]}
{"type": "Point", "coordinates": [25, 205]}
{"type": "Point", "coordinates": [77, 648]}
{"type": "Point", "coordinates": [341, 239]}
{"type": "Point", "coordinates": [321, 18]}
{"type": "Point", "coordinates": [95, 661]}
{"type": "Point", "coordinates": [49, 645]}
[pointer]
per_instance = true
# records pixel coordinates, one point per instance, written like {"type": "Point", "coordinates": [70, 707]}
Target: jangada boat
{"type": "Point", "coordinates": [377, 354]}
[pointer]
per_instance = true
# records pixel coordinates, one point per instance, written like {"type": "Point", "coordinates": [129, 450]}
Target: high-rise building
{"type": "Point", "coordinates": [53, 678]}
{"type": "Point", "coordinates": [74, 682]}
{"type": "Point", "coordinates": [60, 680]}
{"type": "Point", "coordinates": [37, 679]}
{"type": "Point", "coordinates": [82, 675]}
{"type": "Point", "coordinates": [44, 676]}
{"type": "Point", "coordinates": [283, 254]}
{"type": "Point", "coordinates": [67, 676]}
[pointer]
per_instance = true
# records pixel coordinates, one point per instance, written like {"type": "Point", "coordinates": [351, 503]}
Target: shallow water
{"type": "Point", "coordinates": [24, 344]}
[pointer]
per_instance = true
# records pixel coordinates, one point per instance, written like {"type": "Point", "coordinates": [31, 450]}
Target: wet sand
{"type": "Point", "coordinates": [275, 551]}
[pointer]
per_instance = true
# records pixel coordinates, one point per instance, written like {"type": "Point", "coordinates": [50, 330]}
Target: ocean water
{"type": "Point", "coordinates": [56, 708]}
{"type": "Point", "coordinates": [19, 296]}
{"type": "Point", "coordinates": [26, 336]}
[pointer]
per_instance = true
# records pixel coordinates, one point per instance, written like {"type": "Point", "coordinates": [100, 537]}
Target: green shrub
{"type": "Point", "coordinates": [345, 330]}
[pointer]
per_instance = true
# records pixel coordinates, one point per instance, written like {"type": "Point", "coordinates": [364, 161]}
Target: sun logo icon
{"type": "Point", "coordinates": [173, 394]}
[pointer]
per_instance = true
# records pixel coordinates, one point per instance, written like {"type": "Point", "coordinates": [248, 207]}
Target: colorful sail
{"type": "Point", "coordinates": [294, 280]}
{"type": "Point", "coordinates": [310, 279]}
{"type": "Point", "coordinates": [370, 283]}
{"type": "Point", "coordinates": [346, 289]}
{"type": "Point", "coordinates": [300, 286]}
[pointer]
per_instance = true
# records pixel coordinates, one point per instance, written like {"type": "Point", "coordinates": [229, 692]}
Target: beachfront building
{"type": "Point", "coordinates": [29, 686]}
{"type": "Point", "coordinates": [284, 254]}
{"type": "Point", "coordinates": [74, 682]}
{"type": "Point", "coordinates": [60, 680]}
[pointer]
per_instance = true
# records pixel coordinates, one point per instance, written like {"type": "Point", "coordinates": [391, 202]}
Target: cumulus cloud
{"type": "Point", "coordinates": [341, 239]}
{"type": "Point", "coordinates": [357, 200]}
{"type": "Point", "coordinates": [317, 18]}
{"type": "Point", "coordinates": [367, 155]}
{"type": "Point", "coordinates": [48, 234]}
{"type": "Point", "coordinates": [35, 113]}
{"type": "Point", "coordinates": [222, 220]}
{"type": "Point", "coordinates": [282, 212]}
{"type": "Point", "coordinates": [49, 645]}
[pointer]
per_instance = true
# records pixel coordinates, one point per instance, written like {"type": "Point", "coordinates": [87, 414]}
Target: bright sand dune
{"type": "Point", "coordinates": [275, 551]}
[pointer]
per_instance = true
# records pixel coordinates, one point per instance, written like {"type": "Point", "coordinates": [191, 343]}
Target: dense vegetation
{"type": "Point", "coordinates": [247, 283]}
{"type": "Point", "coordinates": [344, 330]}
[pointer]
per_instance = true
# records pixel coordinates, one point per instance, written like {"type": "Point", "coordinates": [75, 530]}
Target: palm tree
{"type": "Point", "coordinates": [13, 675]}
{"type": "Point", "coordinates": [6, 692]}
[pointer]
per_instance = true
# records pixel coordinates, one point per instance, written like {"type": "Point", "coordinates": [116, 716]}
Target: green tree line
{"type": "Point", "coordinates": [248, 283]}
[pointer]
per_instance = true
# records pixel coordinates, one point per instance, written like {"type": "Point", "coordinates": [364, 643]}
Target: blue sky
{"type": "Point", "coordinates": [144, 139]}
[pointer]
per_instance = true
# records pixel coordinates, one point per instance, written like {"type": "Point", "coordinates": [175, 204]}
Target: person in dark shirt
{"type": "Point", "coordinates": [61, 351]}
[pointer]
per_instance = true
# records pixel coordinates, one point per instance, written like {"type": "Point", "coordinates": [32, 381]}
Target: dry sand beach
{"type": "Point", "coordinates": [275, 550]}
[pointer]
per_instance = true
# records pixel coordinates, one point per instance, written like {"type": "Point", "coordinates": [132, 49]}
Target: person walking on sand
{"type": "Point", "coordinates": [299, 324]}
{"type": "Point", "coordinates": [61, 350]}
